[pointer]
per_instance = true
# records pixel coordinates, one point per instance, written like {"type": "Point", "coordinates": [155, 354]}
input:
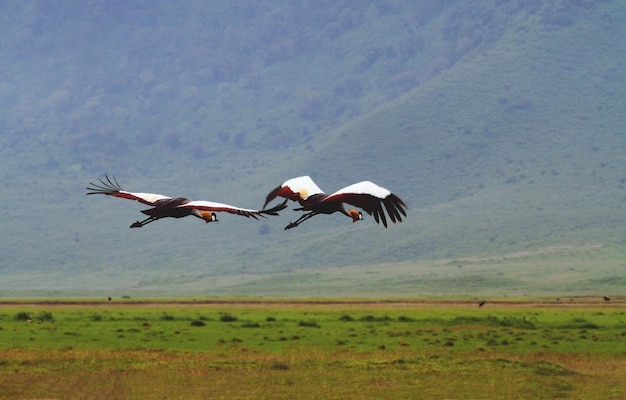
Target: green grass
{"type": "Point", "coordinates": [312, 349]}
{"type": "Point", "coordinates": [277, 329]}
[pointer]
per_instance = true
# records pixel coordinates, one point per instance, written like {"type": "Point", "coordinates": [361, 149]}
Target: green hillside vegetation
{"type": "Point", "coordinates": [500, 125]}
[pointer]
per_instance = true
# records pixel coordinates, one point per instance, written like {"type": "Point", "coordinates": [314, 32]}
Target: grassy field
{"type": "Point", "coordinates": [311, 349]}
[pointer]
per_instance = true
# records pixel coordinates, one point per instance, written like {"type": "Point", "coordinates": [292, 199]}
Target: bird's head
{"type": "Point", "coordinates": [208, 216]}
{"type": "Point", "coordinates": [356, 215]}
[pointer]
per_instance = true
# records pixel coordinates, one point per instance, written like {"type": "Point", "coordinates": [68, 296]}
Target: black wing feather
{"type": "Point", "coordinates": [274, 210]}
{"type": "Point", "coordinates": [108, 187]}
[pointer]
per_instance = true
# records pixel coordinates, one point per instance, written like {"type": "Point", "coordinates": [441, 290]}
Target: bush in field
{"type": "Point", "coordinates": [580, 323]}
{"type": "Point", "coordinates": [346, 318]}
{"type": "Point", "coordinates": [228, 318]}
{"type": "Point", "coordinates": [167, 317]}
{"type": "Point", "coordinates": [197, 323]}
{"type": "Point", "coordinates": [371, 318]}
{"type": "Point", "coordinates": [309, 324]}
{"type": "Point", "coordinates": [45, 316]}
{"type": "Point", "coordinates": [22, 316]}
{"type": "Point", "coordinates": [508, 322]}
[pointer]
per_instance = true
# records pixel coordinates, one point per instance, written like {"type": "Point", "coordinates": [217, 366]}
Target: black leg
{"type": "Point", "coordinates": [146, 221]}
{"type": "Point", "coordinates": [300, 220]}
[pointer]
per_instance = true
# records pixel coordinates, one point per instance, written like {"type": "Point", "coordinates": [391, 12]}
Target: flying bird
{"type": "Point", "coordinates": [179, 207]}
{"type": "Point", "coordinates": [365, 195]}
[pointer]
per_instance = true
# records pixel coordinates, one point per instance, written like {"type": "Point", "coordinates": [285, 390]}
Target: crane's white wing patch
{"type": "Point", "coordinates": [364, 187]}
{"type": "Point", "coordinates": [212, 206]}
{"type": "Point", "coordinates": [147, 197]}
{"type": "Point", "coordinates": [304, 186]}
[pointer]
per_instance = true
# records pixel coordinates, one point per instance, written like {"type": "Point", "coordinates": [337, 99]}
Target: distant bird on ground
{"type": "Point", "coordinates": [366, 195]}
{"type": "Point", "coordinates": [179, 207]}
{"type": "Point", "coordinates": [607, 298]}
{"type": "Point", "coordinates": [482, 303]}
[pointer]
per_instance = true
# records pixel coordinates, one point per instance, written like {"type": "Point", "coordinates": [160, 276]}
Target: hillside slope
{"type": "Point", "coordinates": [513, 143]}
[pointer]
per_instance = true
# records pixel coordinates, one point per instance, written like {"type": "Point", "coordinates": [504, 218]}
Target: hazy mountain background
{"type": "Point", "coordinates": [500, 123]}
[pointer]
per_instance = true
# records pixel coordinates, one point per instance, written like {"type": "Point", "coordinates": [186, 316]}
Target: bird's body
{"type": "Point", "coordinates": [178, 207]}
{"type": "Point", "coordinates": [366, 195]}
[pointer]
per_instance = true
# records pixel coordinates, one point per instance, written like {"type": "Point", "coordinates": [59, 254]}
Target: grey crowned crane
{"type": "Point", "coordinates": [179, 207]}
{"type": "Point", "coordinates": [365, 195]}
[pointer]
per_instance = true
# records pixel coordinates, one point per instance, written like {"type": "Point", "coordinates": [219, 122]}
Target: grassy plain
{"type": "Point", "coordinates": [570, 348]}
